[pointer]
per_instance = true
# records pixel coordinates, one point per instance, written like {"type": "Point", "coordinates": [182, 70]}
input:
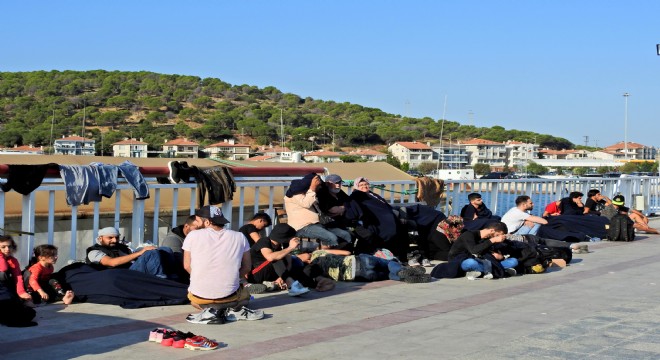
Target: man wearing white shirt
{"type": "Point", "coordinates": [518, 219]}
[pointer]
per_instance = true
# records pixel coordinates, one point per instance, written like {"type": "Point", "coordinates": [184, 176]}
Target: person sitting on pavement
{"type": "Point", "coordinates": [341, 265]}
{"type": "Point", "coordinates": [174, 238]}
{"type": "Point", "coordinates": [477, 257]}
{"type": "Point", "coordinates": [596, 202]}
{"type": "Point", "coordinates": [572, 205]}
{"type": "Point", "coordinates": [475, 214]}
{"type": "Point", "coordinates": [303, 213]}
{"type": "Point", "coordinates": [641, 222]}
{"type": "Point", "coordinates": [108, 252]}
{"type": "Point", "coordinates": [519, 220]}
{"type": "Point", "coordinates": [216, 259]}
{"type": "Point", "coordinates": [552, 209]}
{"type": "Point", "coordinates": [252, 230]}
{"type": "Point", "coordinates": [440, 240]}
{"type": "Point", "coordinates": [378, 216]}
{"type": "Point", "coordinates": [272, 261]}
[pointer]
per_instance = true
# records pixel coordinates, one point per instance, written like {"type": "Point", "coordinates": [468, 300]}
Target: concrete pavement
{"type": "Point", "coordinates": [603, 306]}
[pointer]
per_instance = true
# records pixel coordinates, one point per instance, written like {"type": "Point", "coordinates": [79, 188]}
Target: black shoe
{"type": "Point", "coordinates": [255, 288]}
{"type": "Point", "coordinates": [174, 172]}
{"type": "Point", "coordinates": [408, 271]}
{"type": "Point", "coordinates": [57, 287]}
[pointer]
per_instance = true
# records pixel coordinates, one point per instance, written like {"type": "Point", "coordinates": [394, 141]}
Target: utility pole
{"type": "Point", "coordinates": [586, 140]}
{"type": "Point", "coordinates": [625, 126]}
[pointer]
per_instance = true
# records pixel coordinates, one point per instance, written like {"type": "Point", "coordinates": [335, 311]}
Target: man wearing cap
{"type": "Point", "coordinates": [216, 259]}
{"type": "Point", "coordinates": [303, 212]}
{"type": "Point", "coordinates": [108, 252]}
{"type": "Point", "coordinates": [640, 220]}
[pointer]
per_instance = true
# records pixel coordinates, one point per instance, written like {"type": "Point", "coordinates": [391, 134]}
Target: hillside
{"type": "Point", "coordinates": [36, 107]}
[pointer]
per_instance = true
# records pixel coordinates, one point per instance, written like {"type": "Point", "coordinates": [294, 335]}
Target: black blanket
{"type": "Point", "coordinates": [574, 228]}
{"type": "Point", "coordinates": [127, 288]}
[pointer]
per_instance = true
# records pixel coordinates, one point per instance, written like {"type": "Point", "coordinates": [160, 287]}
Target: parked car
{"type": "Point", "coordinates": [495, 175]}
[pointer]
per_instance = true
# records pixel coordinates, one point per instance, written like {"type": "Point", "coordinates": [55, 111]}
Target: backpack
{"type": "Point", "coordinates": [547, 253]}
{"type": "Point", "coordinates": [621, 228]}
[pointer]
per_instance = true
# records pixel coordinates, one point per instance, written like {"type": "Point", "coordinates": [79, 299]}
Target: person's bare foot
{"type": "Point", "coordinates": [68, 297]}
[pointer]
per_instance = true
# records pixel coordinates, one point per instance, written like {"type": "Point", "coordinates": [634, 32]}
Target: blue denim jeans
{"type": "Point", "coordinates": [479, 265]}
{"type": "Point", "coordinates": [154, 262]}
{"type": "Point", "coordinates": [525, 230]}
{"type": "Point", "coordinates": [133, 176]}
{"type": "Point", "coordinates": [82, 184]}
{"type": "Point", "coordinates": [327, 237]}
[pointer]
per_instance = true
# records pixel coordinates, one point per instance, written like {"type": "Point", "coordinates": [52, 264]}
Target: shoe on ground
{"type": "Point", "coordinates": [200, 343]}
{"type": "Point", "coordinates": [472, 275]}
{"type": "Point", "coordinates": [297, 289]}
{"type": "Point", "coordinates": [173, 166]}
{"type": "Point", "coordinates": [155, 334]}
{"type": "Point", "coordinates": [417, 279]}
{"type": "Point", "coordinates": [408, 271]}
{"type": "Point", "coordinates": [511, 271]}
{"type": "Point", "coordinates": [208, 315]}
{"type": "Point", "coordinates": [426, 263]}
{"type": "Point", "coordinates": [414, 262]}
{"type": "Point", "coordinates": [255, 288]}
{"type": "Point", "coordinates": [244, 314]}
{"type": "Point", "coordinates": [271, 286]}
{"type": "Point", "coordinates": [488, 276]}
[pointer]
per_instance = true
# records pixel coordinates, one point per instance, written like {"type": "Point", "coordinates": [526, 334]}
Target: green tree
{"type": "Point", "coordinates": [579, 171]}
{"type": "Point", "coordinates": [392, 160]}
{"type": "Point", "coordinates": [427, 167]}
{"type": "Point", "coordinates": [481, 169]}
{"type": "Point", "coordinates": [536, 169]}
{"type": "Point", "coordinates": [629, 167]}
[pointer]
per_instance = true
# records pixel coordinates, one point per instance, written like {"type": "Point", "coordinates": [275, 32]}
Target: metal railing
{"type": "Point", "coordinates": [149, 220]}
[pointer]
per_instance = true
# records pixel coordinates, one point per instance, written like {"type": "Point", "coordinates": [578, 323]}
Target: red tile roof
{"type": "Point", "coordinates": [181, 141]}
{"type": "Point", "coordinates": [74, 138]}
{"type": "Point", "coordinates": [130, 142]}
{"type": "Point", "coordinates": [323, 153]}
{"type": "Point", "coordinates": [413, 145]}
{"type": "Point", "coordinates": [475, 141]}
{"type": "Point", "coordinates": [226, 144]}
{"type": "Point", "coordinates": [621, 145]}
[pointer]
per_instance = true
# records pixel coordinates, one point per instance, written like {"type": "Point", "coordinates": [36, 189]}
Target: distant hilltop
{"type": "Point", "coordinates": [109, 106]}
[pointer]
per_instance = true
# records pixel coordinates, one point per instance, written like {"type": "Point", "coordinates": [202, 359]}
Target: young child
{"type": "Point", "coordinates": [10, 270]}
{"type": "Point", "coordinates": [40, 284]}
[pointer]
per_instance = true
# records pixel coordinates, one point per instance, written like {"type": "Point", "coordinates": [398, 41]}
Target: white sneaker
{"type": "Point", "coordinates": [472, 275]}
{"type": "Point", "coordinates": [297, 289]}
{"type": "Point", "coordinates": [488, 276]}
{"type": "Point", "coordinates": [426, 263]}
{"type": "Point", "coordinates": [244, 314]}
{"type": "Point", "coordinates": [413, 262]}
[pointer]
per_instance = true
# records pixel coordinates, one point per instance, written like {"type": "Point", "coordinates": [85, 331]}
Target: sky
{"type": "Point", "coordinates": [556, 67]}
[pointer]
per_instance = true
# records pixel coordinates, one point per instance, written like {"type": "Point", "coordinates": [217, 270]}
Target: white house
{"type": "Point", "coordinates": [181, 148]}
{"type": "Point", "coordinates": [229, 149]}
{"type": "Point", "coordinates": [369, 155]}
{"type": "Point", "coordinates": [23, 150]}
{"type": "Point", "coordinates": [519, 154]}
{"type": "Point", "coordinates": [322, 156]}
{"type": "Point", "coordinates": [413, 153]}
{"type": "Point", "coordinates": [130, 148]}
{"type": "Point", "coordinates": [451, 156]}
{"type": "Point", "coordinates": [74, 145]}
{"type": "Point", "coordinates": [635, 150]}
{"type": "Point", "coordinates": [486, 152]}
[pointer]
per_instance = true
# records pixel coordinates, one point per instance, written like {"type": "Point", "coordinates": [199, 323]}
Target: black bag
{"type": "Point", "coordinates": [547, 253]}
{"type": "Point", "coordinates": [621, 228]}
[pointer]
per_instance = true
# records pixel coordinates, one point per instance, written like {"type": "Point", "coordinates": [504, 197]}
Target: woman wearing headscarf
{"type": "Point", "coordinates": [377, 216]}
{"type": "Point", "coordinates": [440, 240]}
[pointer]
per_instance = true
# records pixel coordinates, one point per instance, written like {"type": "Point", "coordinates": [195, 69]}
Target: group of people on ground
{"type": "Point", "coordinates": [361, 237]}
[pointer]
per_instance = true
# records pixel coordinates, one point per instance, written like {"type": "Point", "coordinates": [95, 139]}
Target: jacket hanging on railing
{"type": "Point", "coordinates": [217, 182]}
{"type": "Point", "coordinates": [81, 183]}
{"type": "Point", "coordinates": [133, 176]}
{"type": "Point", "coordinates": [24, 179]}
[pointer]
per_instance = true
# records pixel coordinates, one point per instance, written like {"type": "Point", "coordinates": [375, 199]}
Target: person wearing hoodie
{"type": "Point", "coordinates": [303, 213]}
